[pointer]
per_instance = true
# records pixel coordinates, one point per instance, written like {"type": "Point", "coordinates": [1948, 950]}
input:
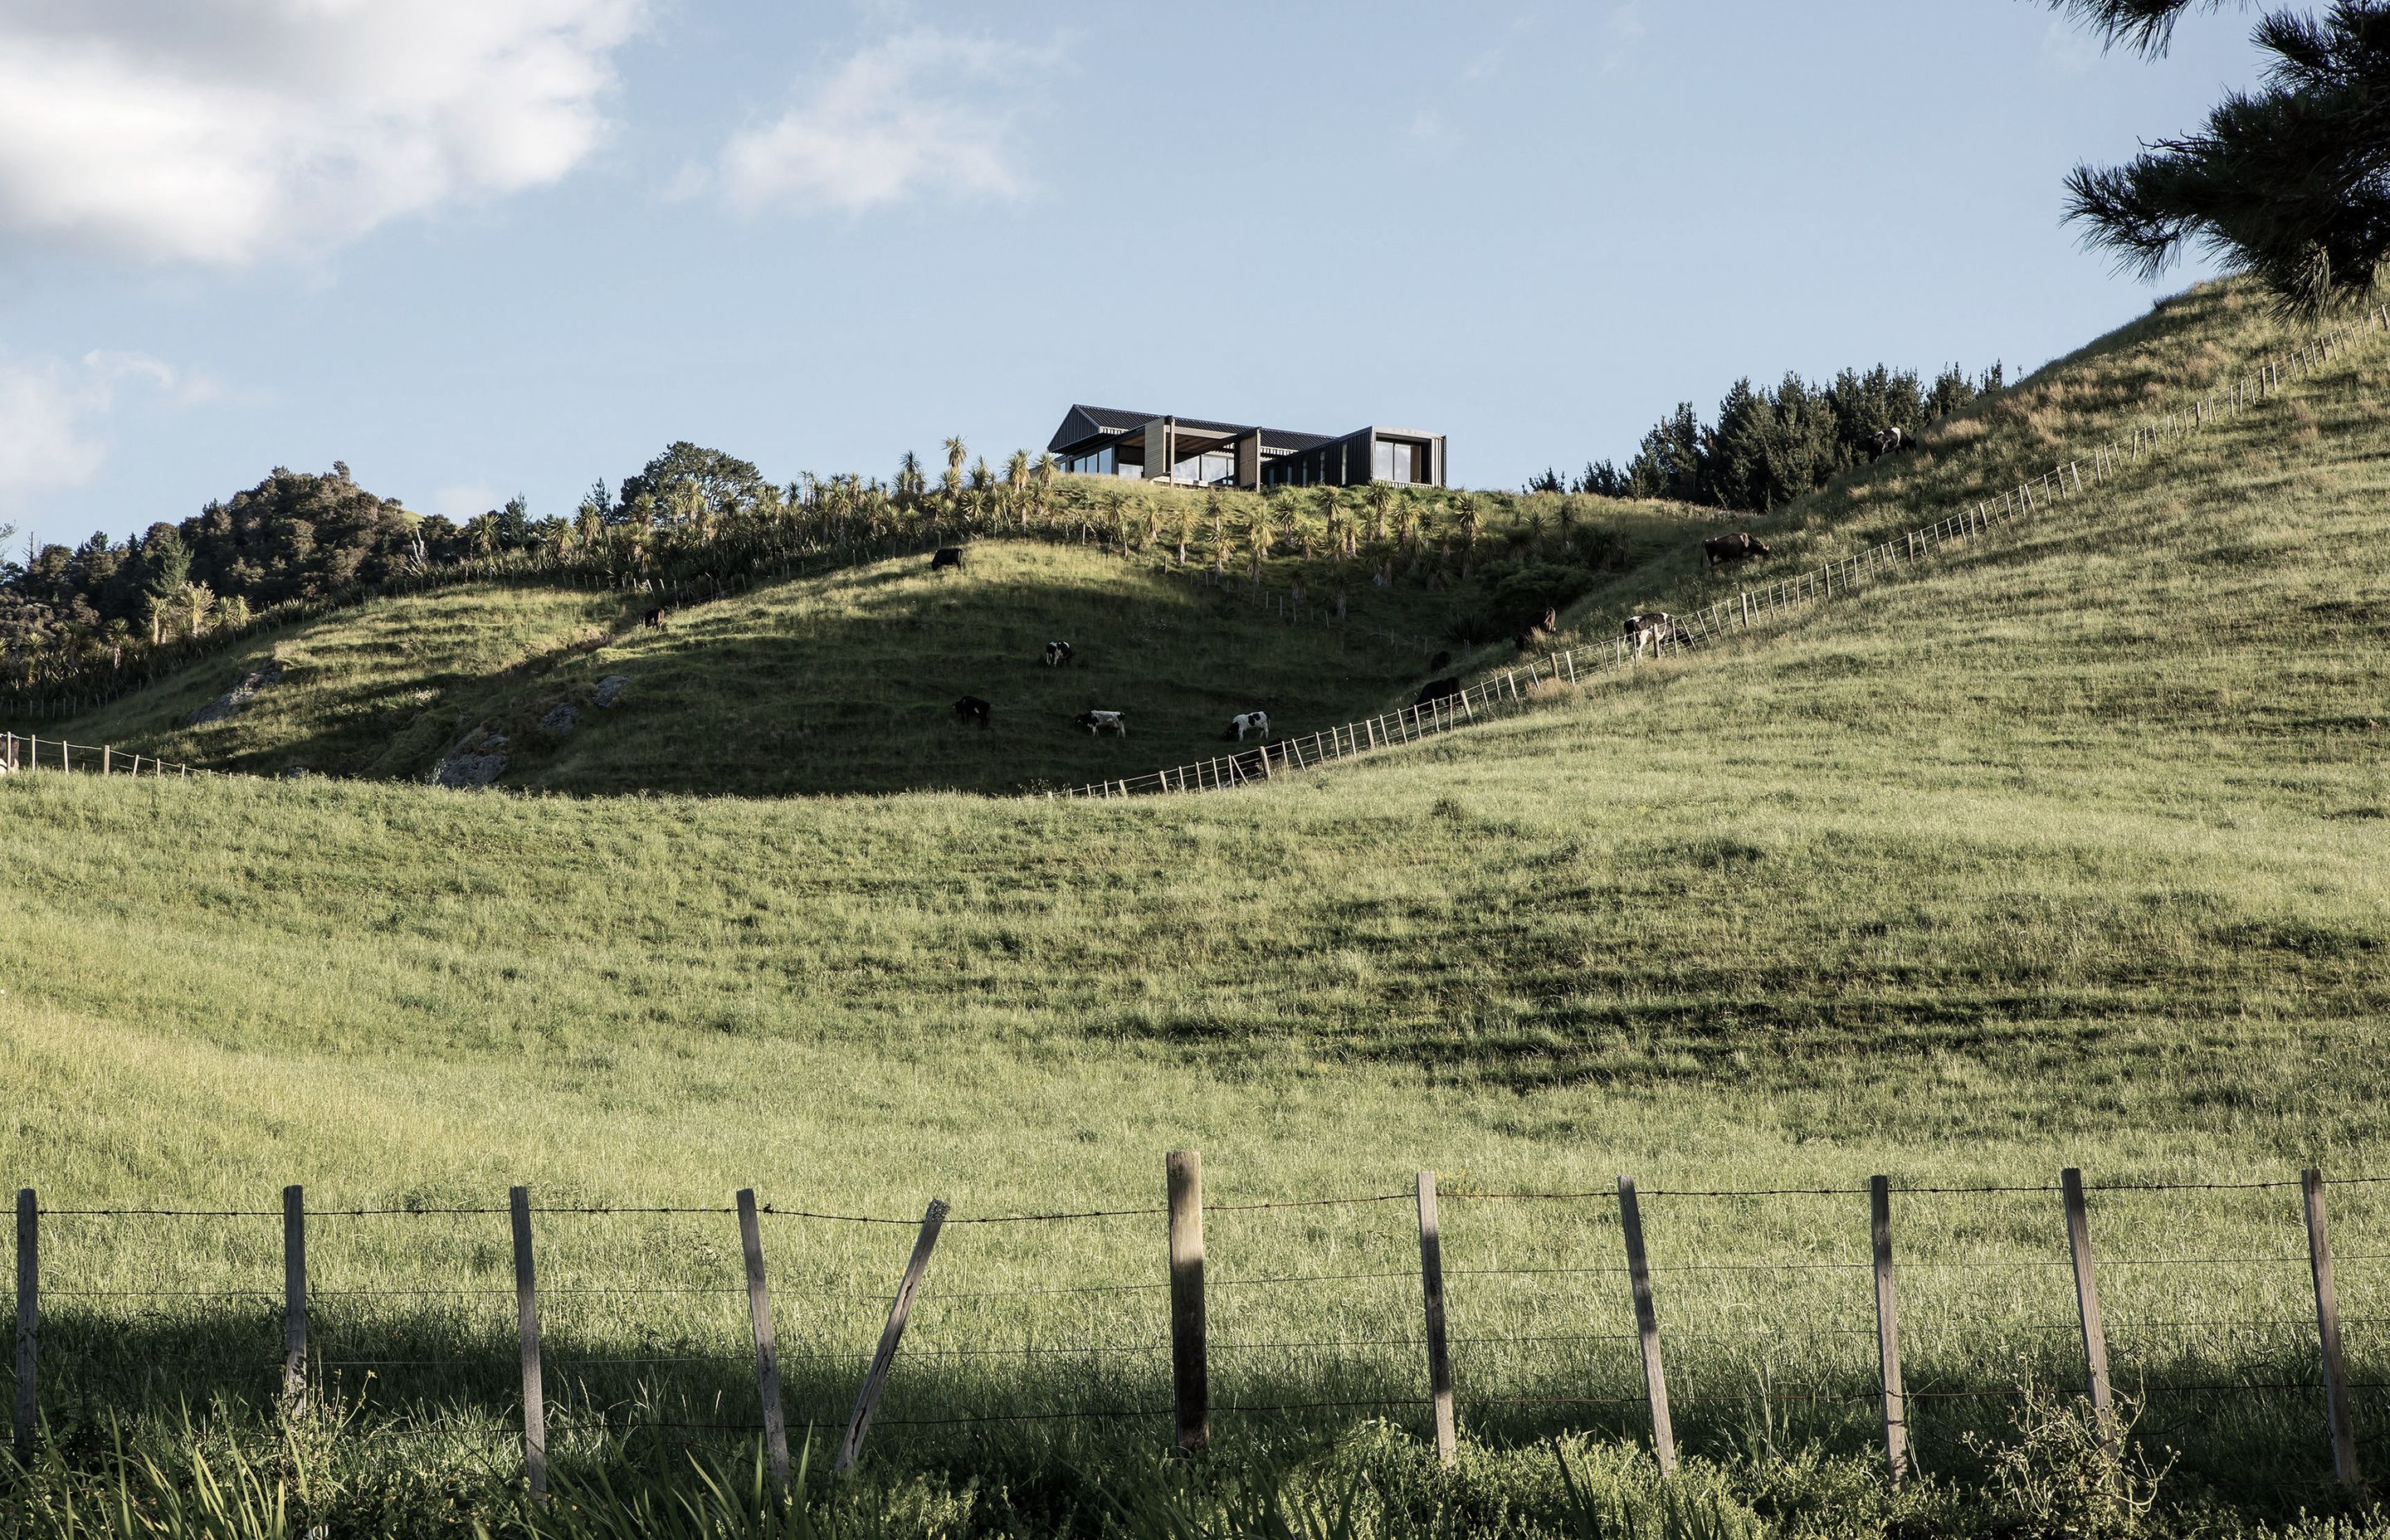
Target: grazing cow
{"type": "Point", "coordinates": [1103, 721]}
{"type": "Point", "coordinates": [1885, 442]}
{"type": "Point", "coordinates": [1719, 549]}
{"type": "Point", "coordinates": [970, 708]}
{"type": "Point", "coordinates": [1245, 721]}
{"type": "Point", "coordinates": [948, 556]}
{"type": "Point", "coordinates": [652, 620]}
{"type": "Point", "coordinates": [1439, 689]}
{"type": "Point", "coordinates": [1057, 652]}
{"type": "Point", "coordinates": [1438, 663]}
{"type": "Point", "coordinates": [1655, 630]}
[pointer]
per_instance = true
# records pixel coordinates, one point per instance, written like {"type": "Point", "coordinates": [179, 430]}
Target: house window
{"type": "Point", "coordinates": [1396, 462]}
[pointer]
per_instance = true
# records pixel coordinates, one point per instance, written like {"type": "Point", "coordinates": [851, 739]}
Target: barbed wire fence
{"type": "Point", "coordinates": [1422, 1336]}
{"type": "Point", "coordinates": [1499, 692]}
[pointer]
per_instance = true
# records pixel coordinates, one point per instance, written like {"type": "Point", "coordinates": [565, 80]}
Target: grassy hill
{"type": "Point", "coordinates": [838, 683]}
{"type": "Point", "coordinates": [2070, 850]}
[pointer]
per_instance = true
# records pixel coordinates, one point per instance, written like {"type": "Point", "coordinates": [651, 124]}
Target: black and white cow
{"type": "Point", "coordinates": [1057, 652]}
{"type": "Point", "coordinates": [970, 708]}
{"type": "Point", "coordinates": [1656, 630]}
{"type": "Point", "coordinates": [1103, 721]}
{"type": "Point", "coordinates": [948, 556]}
{"type": "Point", "coordinates": [1886, 443]}
{"type": "Point", "coordinates": [1244, 721]}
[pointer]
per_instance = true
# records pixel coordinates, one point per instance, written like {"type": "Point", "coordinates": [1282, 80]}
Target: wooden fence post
{"type": "Point", "coordinates": [2086, 1304]}
{"type": "Point", "coordinates": [1647, 1326]}
{"type": "Point", "coordinates": [29, 1320]}
{"type": "Point", "coordinates": [899, 1310]}
{"type": "Point", "coordinates": [1190, 1374]}
{"type": "Point", "coordinates": [294, 1299]}
{"type": "Point", "coordinates": [2335, 1367]}
{"type": "Point", "coordinates": [1887, 1331]}
{"type": "Point", "coordinates": [535, 1393]}
{"type": "Point", "coordinates": [1439, 1358]}
{"type": "Point", "coordinates": [768, 1355]}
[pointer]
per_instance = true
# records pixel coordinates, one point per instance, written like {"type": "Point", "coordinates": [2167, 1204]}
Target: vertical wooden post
{"type": "Point", "coordinates": [767, 1354]}
{"type": "Point", "coordinates": [1190, 1374]}
{"type": "Point", "coordinates": [1647, 1325]}
{"type": "Point", "coordinates": [29, 1320]}
{"type": "Point", "coordinates": [1439, 1358]}
{"type": "Point", "coordinates": [2335, 1367]}
{"type": "Point", "coordinates": [1887, 1331]}
{"type": "Point", "coordinates": [900, 1311]}
{"type": "Point", "coordinates": [534, 1394]}
{"type": "Point", "coordinates": [294, 1299]}
{"type": "Point", "coordinates": [2086, 1304]}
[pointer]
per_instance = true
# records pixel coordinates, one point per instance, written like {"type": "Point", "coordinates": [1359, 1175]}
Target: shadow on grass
{"type": "Point", "coordinates": [2244, 1424]}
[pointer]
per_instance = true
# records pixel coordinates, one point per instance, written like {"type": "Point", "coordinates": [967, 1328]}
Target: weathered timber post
{"type": "Point", "coordinates": [2086, 1304]}
{"type": "Point", "coordinates": [1887, 1331]}
{"type": "Point", "coordinates": [29, 1320]}
{"type": "Point", "coordinates": [767, 1354]}
{"type": "Point", "coordinates": [1190, 1375]}
{"type": "Point", "coordinates": [294, 1299]}
{"type": "Point", "coordinates": [535, 1393]}
{"type": "Point", "coordinates": [2335, 1365]}
{"type": "Point", "coordinates": [892, 1336]}
{"type": "Point", "coordinates": [1647, 1326]}
{"type": "Point", "coordinates": [1439, 1358]}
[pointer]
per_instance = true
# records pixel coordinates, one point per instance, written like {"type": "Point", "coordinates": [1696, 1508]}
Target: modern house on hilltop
{"type": "Point", "coordinates": [1099, 441]}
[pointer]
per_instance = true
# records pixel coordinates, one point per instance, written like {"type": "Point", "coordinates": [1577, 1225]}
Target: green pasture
{"type": "Point", "coordinates": [2071, 849]}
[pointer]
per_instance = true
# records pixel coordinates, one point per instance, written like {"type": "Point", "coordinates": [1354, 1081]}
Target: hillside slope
{"type": "Point", "coordinates": [2067, 851]}
{"type": "Point", "coordinates": [835, 684]}
{"type": "Point", "coordinates": [2120, 775]}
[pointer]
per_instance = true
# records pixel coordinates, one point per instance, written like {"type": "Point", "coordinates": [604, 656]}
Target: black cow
{"type": "Point", "coordinates": [653, 620]}
{"type": "Point", "coordinates": [1438, 663]}
{"type": "Point", "coordinates": [1719, 549]}
{"type": "Point", "coordinates": [948, 556]}
{"type": "Point", "coordinates": [1885, 442]}
{"type": "Point", "coordinates": [970, 708]}
{"type": "Point", "coordinates": [1057, 652]}
{"type": "Point", "coordinates": [1439, 689]}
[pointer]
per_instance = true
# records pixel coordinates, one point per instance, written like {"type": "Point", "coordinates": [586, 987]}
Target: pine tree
{"type": "Point", "coordinates": [2286, 184]}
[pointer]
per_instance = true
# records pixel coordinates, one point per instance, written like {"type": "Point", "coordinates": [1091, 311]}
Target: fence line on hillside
{"type": "Point", "coordinates": [1500, 692]}
{"type": "Point", "coordinates": [1181, 1294]}
{"type": "Point", "coordinates": [27, 753]}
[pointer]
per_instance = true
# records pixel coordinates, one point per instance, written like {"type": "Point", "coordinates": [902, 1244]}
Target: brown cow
{"type": "Point", "coordinates": [1719, 549]}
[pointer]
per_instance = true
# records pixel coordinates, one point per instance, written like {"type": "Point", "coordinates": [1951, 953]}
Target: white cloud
{"type": "Point", "coordinates": [922, 112]}
{"type": "Point", "coordinates": [220, 131]}
{"type": "Point", "coordinates": [54, 411]}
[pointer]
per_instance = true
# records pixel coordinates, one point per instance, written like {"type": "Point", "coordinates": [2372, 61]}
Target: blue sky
{"type": "Point", "coordinates": [477, 247]}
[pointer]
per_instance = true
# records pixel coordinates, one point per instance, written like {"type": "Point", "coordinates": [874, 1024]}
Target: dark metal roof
{"type": "Point", "coordinates": [1084, 423]}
